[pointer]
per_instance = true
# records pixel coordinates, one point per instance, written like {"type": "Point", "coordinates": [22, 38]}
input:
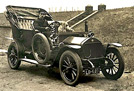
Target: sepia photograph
{"type": "Point", "coordinates": [69, 45]}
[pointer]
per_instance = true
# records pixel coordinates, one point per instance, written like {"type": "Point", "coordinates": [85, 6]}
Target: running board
{"type": "Point", "coordinates": [29, 60]}
{"type": "Point", "coordinates": [34, 62]}
{"type": "Point", "coordinates": [9, 38]}
{"type": "Point", "coordinates": [3, 50]}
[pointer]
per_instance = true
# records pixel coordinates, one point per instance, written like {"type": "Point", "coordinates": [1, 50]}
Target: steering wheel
{"type": "Point", "coordinates": [55, 24]}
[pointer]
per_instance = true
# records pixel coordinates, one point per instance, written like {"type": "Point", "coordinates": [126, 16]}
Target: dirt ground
{"type": "Point", "coordinates": [31, 78]}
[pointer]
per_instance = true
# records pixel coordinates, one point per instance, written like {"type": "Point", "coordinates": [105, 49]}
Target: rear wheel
{"type": "Point", "coordinates": [114, 67]}
{"type": "Point", "coordinates": [70, 67]}
{"type": "Point", "coordinates": [13, 56]}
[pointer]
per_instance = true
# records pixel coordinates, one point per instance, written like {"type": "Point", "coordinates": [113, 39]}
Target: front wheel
{"type": "Point", "coordinates": [114, 67]}
{"type": "Point", "coordinates": [70, 67]}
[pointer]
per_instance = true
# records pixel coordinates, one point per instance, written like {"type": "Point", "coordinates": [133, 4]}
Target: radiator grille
{"type": "Point", "coordinates": [93, 50]}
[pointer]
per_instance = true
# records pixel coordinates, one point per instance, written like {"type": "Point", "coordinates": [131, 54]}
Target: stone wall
{"type": "Point", "coordinates": [88, 9]}
{"type": "Point", "coordinates": [81, 26]}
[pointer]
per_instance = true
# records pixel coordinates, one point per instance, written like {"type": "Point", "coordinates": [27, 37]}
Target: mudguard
{"type": "Point", "coordinates": [114, 44]}
{"type": "Point", "coordinates": [74, 46]}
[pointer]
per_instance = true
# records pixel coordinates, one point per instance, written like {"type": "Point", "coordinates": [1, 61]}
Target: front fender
{"type": "Point", "coordinates": [74, 46]}
{"type": "Point", "coordinates": [63, 49]}
{"type": "Point", "coordinates": [106, 46]}
{"type": "Point", "coordinates": [114, 44]}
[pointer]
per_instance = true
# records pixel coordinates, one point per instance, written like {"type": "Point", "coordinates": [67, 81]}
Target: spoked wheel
{"type": "Point", "coordinates": [41, 48]}
{"type": "Point", "coordinates": [70, 67]}
{"type": "Point", "coordinates": [13, 57]}
{"type": "Point", "coordinates": [114, 66]}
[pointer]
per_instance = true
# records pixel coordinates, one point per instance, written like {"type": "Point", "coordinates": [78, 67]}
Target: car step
{"type": "Point", "coordinates": [3, 51]}
{"type": "Point", "coordinates": [29, 60]}
{"type": "Point", "coordinates": [34, 62]}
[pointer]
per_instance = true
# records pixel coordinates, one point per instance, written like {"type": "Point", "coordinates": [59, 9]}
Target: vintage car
{"type": "Point", "coordinates": [75, 53]}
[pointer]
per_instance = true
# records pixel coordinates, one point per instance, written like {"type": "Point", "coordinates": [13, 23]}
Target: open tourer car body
{"type": "Point", "coordinates": [75, 53]}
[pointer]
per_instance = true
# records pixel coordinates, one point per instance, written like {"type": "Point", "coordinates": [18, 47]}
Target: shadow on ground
{"type": "Point", "coordinates": [53, 73]}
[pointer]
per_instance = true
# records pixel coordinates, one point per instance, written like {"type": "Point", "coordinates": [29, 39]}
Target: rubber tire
{"type": "Point", "coordinates": [47, 47]}
{"type": "Point", "coordinates": [121, 65]}
{"type": "Point", "coordinates": [13, 44]}
{"type": "Point", "coordinates": [79, 67]}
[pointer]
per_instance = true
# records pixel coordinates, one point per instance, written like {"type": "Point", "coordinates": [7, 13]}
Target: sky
{"type": "Point", "coordinates": [55, 5]}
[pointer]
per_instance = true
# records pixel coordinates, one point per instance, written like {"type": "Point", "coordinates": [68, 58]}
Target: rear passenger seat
{"type": "Point", "coordinates": [25, 24]}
